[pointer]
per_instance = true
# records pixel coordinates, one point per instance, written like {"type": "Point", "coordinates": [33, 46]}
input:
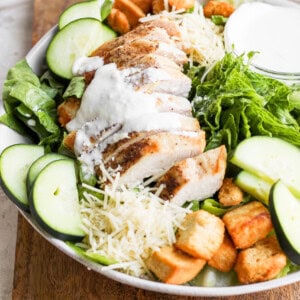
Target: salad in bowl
{"type": "Point", "coordinates": [157, 157]}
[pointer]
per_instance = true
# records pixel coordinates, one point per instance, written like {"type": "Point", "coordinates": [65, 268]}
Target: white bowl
{"type": "Point", "coordinates": [35, 59]}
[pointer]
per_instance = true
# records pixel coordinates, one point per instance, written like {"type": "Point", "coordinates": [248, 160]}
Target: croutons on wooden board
{"type": "Point", "coordinates": [230, 194]}
{"type": "Point", "coordinates": [201, 235]}
{"type": "Point", "coordinates": [172, 266]}
{"type": "Point", "coordinates": [248, 224]}
{"type": "Point", "coordinates": [261, 262]}
{"type": "Point", "coordinates": [225, 257]}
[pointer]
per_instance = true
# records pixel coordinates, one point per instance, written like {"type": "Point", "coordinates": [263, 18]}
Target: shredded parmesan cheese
{"type": "Point", "coordinates": [128, 224]}
{"type": "Point", "coordinates": [202, 40]}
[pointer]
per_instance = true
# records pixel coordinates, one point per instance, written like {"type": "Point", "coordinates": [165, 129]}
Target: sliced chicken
{"type": "Point", "coordinates": [172, 103]}
{"type": "Point", "coordinates": [155, 154]}
{"type": "Point", "coordinates": [153, 80]}
{"type": "Point", "coordinates": [142, 46]}
{"type": "Point", "coordinates": [147, 61]}
{"type": "Point", "coordinates": [195, 178]}
{"type": "Point", "coordinates": [157, 30]}
{"type": "Point", "coordinates": [141, 62]}
{"type": "Point", "coordinates": [151, 124]}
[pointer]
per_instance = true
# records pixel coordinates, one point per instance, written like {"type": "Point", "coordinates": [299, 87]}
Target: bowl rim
{"type": "Point", "coordinates": [35, 58]}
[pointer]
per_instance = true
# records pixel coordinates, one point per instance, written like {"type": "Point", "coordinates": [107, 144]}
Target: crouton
{"type": "Point", "coordinates": [201, 236]}
{"type": "Point", "coordinates": [173, 266]}
{"type": "Point", "coordinates": [179, 4]}
{"type": "Point", "coordinates": [261, 262]}
{"type": "Point", "coordinates": [131, 10]}
{"type": "Point", "coordinates": [66, 111]}
{"type": "Point", "coordinates": [69, 141]}
{"type": "Point", "coordinates": [158, 6]}
{"type": "Point", "coordinates": [248, 224]}
{"type": "Point", "coordinates": [225, 257]}
{"type": "Point", "coordinates": [144, 5]}
{"type": "Point", "coordinates": [229, 193]}
{"type": "Point", "coordinates": [118, 21]}
{"type": "Point", "coordinates": [220, 8]}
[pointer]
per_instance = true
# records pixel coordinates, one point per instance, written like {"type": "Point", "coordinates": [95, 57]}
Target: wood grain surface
{"type": "Point", "coordinates": [43, 272]}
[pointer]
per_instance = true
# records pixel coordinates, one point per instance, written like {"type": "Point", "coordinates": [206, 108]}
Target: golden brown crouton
{"type": "Point", "coordinates": [179, 4]}
{"type": "Point", "coordinates": [69, 140]}
{"type": "Point", "coordinates": [118, 21]}
{"type": "Point", "coordinates": [144, 5]}
{"type": "Point", "coordinates": [261, 262]}
{"type": "Point", "coordinates": [248, 224]}
{"type": "Point", "coordinates": [67, 110]}
{"type": "Point", "coordinates": [173, 266]}
{"type": "Point", "coordinates": [220, 8]}
{"type": "Point", "coordinates": [131, 10]}
{"type": "Point", "coordinates": [229, 193]}
{"type": "Point", "coordinates": [202, 234]}
{"type": "Point", "coordinates": [158, 6]}
{"type": "Point", "coordinates": [225, 257]}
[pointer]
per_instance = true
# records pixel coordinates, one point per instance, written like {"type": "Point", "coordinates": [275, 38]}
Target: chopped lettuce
{"type": "Point", "coordinates": [216, 208]}
{"type": "Point", "coordinates": [234, 103]}
{"type": "Point", "coordinates": [51, 86]}
{"type": "Point", "coordinates": [106, 8]}
{"type": "Point", "coordinates": [219, 20]}
{"type": "Point", "coordinates": [95, 257]}
{"type": "Point", "coordinates": [30, 106]}
{"type": "Point", "coordinates": [75, 88]}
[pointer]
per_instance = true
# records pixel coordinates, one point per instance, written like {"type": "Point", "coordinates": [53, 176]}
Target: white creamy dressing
{"type": "Point", "coordinates": [273, 31]}
{"type": "Point", "coordinates": [111, 106]}
{"type": "Point", "coordinates": [111, 100]}
{"type": "Point", "coordinates": [85, 64]}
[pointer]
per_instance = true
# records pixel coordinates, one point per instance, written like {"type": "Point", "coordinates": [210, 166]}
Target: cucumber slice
{"type": "Point", "coordinates": [253, 185]}
{"type": "Point", "coordinates": [285, 215]}
{"type": "Point", "coordinates": [54, 201]}
{"type": "Point", "coordinates": [15, 162]}
{"type": "Point", "coordinates": [270, 159]}
{"type": "Point", "coordinates": [39, 164]}
{"type": "Point", "coordinates": [78, 38]}
{"type": "Point", "coordinates": [210, 277]}
{"type": "Point", "coordinates": [89, 9]}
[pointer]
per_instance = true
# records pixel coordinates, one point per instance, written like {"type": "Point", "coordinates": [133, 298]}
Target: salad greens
{"type": "Point", "coordinates": [30, 101]}
{"type": "Point", "coordinates": [75, 88]}
{"type": "Point", "coordinates": [234, 103]}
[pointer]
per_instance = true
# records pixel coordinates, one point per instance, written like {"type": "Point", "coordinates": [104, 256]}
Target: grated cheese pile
{"type": "Point", "coordinates": [202, 40]}
{"type": "Point", "coordinates": [128, 224]}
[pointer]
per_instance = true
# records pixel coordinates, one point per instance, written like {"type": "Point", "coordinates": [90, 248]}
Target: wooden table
{"type": "Point", "coordinates": [43, 272]}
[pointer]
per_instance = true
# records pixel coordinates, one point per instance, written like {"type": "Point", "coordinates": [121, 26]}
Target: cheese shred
{"type": "Point", "coordinates": [128, 224]}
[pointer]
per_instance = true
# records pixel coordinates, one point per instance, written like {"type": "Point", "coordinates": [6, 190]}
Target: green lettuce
{"type": "Point", "coordinates": [30, 105]}
{"type": "Point", "coordinates": [75, 88]}
{"type": "Point", "coordinates": [234, 103]}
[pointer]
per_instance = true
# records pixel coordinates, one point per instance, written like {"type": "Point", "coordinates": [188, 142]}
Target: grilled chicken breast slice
{"type": "Point", "coordinates": [198, 177]}
{"type": "Point", "coordinates": [153, 80]}
{"type": "Point", "coordinates": [172, 103]}
{"type": "Point", "coordinates": [155, 154]}
{"type": "Point", "coordinates": [130, 51]}
{"type": "Point", "coordinates": [157, 30]}
{"type": "Point", "coordinates": [151, 124]}
{"type": "Point", "coordinates": [147, 61]}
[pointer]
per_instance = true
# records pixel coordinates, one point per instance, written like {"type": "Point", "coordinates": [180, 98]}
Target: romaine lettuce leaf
{"type": "Point", "coordinates": [75, 88]}
{"type": "Point", "coordinates": [234, 103]}
{"type": "Point", "coordinates": [30, 106]}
